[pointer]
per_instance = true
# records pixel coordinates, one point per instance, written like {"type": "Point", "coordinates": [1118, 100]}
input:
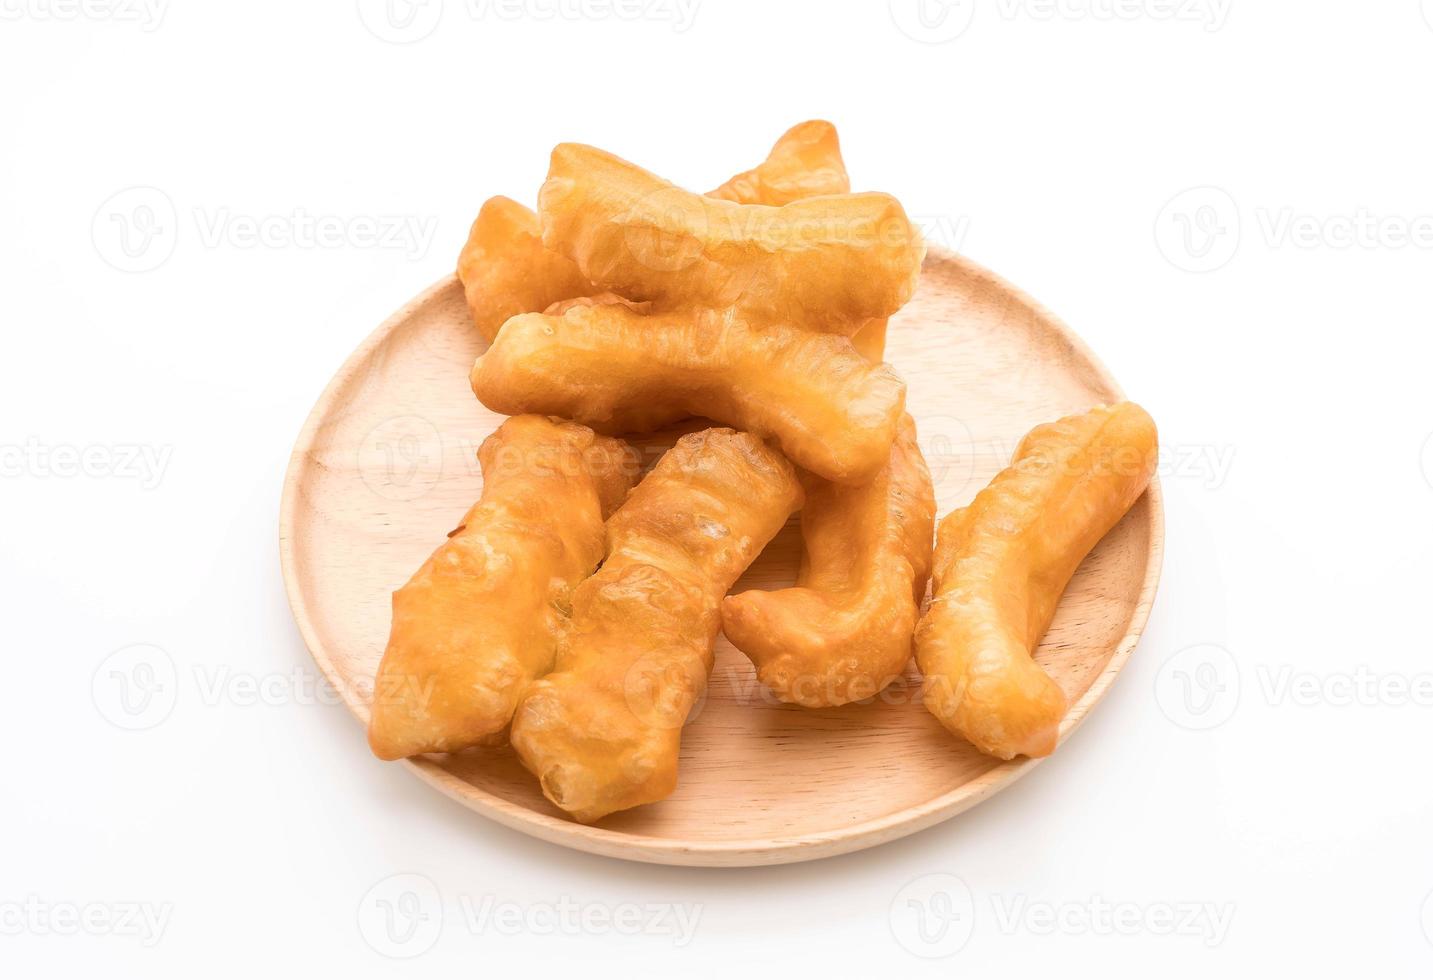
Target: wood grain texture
{"type": "Point", "coordinates": [386, 465]}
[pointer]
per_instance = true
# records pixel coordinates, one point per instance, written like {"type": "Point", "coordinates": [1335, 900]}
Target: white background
{"type": "Point", "coordinates": [1264, 752]}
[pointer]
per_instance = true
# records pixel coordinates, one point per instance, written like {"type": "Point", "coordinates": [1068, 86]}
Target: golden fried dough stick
{"type": "Point", "coordinates": [602, 732]}
{"type": "Point", "coordinates": [825, 263]}
{"type": "Point", "coordinates": [481, 619]}
{"type": "Point", "coordinates": [506, 270]}
{"type": "Point", "coordinates": [610, 367]}
{"type": "Point", "coordinates": [1002, 563]}
{"type": "Point", "coordinates": [805, 162]}
{"type": "Point", "coordinates": [844, 632]}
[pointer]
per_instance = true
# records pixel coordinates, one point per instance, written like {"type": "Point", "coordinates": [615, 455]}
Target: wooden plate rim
{"type": "Point", "coordinates": [733, 853]}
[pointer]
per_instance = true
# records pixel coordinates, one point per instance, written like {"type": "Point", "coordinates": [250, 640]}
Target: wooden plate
{"type": "Point", "coordinates": [385, 466]}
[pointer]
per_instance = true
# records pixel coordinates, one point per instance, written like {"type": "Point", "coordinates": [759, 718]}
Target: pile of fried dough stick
{"type": "Point", "coordinates": [574, 609]}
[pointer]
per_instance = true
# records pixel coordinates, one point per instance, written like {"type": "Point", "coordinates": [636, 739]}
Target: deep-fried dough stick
{"type": "Point", "coordinates": [603, 731]}
{"type": "Point", "coordinates": [1002, 563]}
{"type": "Point", "coordinates": [482, 617]}
{"type": "Point", "coordinates": [607, 366]}
{"type": "Point", "coordinates": [506, 270]}
{"type": "Point", "coordinates": [825, 263]}
{"type": "Point", "coordinates": [805, 162]}
{"type": "Point", "coordinates": [844, 632]}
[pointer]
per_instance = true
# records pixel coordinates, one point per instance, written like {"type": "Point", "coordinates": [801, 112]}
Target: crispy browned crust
{"type": "Point", "coordinates": [844, 631]}
{"type": "Point", "coordinates": [1002, 563]}
{"type": "Point", "coordinates": [831, 411]}
{"type": "Point", "coordinates": [481, 619]}
{"type": "Point", "coordinates": [602, 732]}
